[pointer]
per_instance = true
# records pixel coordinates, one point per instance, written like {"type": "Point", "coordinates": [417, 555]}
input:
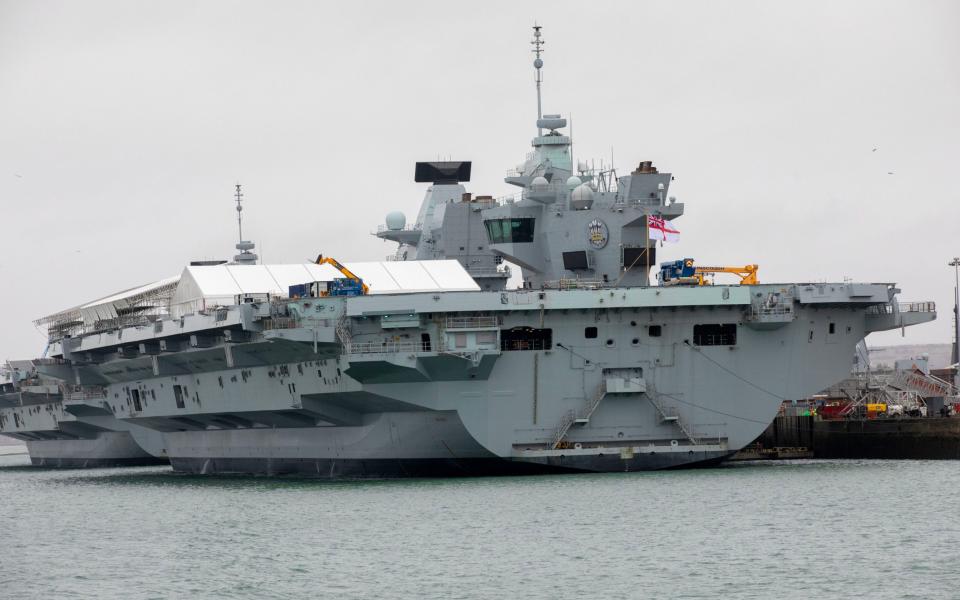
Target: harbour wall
{"type": "Point", "coordinates": [891, 438]}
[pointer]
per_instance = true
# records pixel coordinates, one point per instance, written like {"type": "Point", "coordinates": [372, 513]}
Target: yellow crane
{"type": "Point", "coordinates": [746, 273]}
{"type": "Point", "coordinates": [341, 290]}
{"type": "Point", "coordinates": [684, 272]}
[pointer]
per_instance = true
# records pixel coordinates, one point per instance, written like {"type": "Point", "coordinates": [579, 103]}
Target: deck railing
{"type": "Point", "coordinates": [472, 322]}
{"type": "Point", "coordinates": [279, 323]}
{"type": "Point", "coordinates": [388, 347]}
{"type": "Point", "coordinates": [524, 345]}
{"type": "Point", "coordinates": [575, 284]}
{"type": "Point", "coordinates": [920, 307]}
{"type": "Point", "coordinates": [904, 307]}
{"type": "Point", "coordinates": [87, 393]}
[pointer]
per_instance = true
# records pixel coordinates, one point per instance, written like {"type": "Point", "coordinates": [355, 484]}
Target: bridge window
{"type": "Point", "coordinates": [510, 231]}
{"type": "Point", "coordinates": [526, 338]}
{"type": "Point", "coordinates": [715, 335]}
{"type": "Point", "coordinates": [590, 332]}
{"type": "Point", "coordinates": [135, 395]}
{"type": "Point", "coordinates": [654, 331]}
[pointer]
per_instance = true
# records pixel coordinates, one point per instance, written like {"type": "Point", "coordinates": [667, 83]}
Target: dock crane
{"type": "Point", "coordinates": [352, 285]}
{"type": "Point", "coordinates": [684, 272]}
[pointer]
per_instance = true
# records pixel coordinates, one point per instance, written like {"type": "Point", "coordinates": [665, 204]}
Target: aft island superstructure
{"type": "Point", "coordinates": [435, 367]}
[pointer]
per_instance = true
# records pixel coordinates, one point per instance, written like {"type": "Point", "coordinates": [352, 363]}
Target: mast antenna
{"type": "Point", "coordinates": [239, 196]}
{"type": "Point", "coordinates": [537, 44]}
{"type": "Point", "coordinates": [245, 257]}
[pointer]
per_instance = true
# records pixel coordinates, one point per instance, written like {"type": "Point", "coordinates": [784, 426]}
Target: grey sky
{"type": "Point", "coordinates": [124, 125]}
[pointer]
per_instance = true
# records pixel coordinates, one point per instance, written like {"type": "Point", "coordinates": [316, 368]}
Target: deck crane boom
{"type": "Point", "coordinates": [684, 272]}
{"type": "Point", "coordinates": [356, 286]}
{"type": "Point", "coordinates": [747, 273]}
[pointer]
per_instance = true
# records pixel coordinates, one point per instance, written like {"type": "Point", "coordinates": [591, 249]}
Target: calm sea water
{"type": "Point", "coordinates": [809, 529]}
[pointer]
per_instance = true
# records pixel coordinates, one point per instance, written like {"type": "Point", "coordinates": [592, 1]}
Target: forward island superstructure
{"type": "Point", "coordinates": [433, 366]}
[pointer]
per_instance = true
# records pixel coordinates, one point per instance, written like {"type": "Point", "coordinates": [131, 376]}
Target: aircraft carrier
{"type": "Point", "coordinates": [65, 434]}
{"type": "Point", "coordinates": [426, 364]}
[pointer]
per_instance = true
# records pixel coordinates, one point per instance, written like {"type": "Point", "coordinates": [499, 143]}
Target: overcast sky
{"type": "Point", "coordinates": [124, 126]}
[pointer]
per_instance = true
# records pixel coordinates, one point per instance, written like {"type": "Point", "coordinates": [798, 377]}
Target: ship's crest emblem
{"type": "Point", "coordinates": [598, 234]}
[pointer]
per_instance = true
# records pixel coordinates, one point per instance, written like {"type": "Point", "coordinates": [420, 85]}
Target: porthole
{"type": "Point", "coordinates": [635, 341]}
{"type": "Point", "coordinates": [610, 342]}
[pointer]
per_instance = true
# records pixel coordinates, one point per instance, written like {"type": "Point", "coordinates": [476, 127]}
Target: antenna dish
{"type": "Point", "coordinates": [551, 122]}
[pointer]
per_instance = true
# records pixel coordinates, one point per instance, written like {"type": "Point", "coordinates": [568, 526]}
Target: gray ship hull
{"type": "Point", "coordinates": [418, 444]}
{"type": "Point", "coordinates": [108, 449]}
{"type": "Point", "coordinates": [329, 468]}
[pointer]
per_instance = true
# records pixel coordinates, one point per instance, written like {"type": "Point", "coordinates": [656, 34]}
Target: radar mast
{"type": "Point", "coordinates": [239, 196]}
{"type": "Point", "coordinates": [246, 256]}
{"type": "Point", "coordinates": [538, 65]}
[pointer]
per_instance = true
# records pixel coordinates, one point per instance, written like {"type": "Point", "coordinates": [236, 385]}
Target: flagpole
{"type": "Point", "coordinates": [646, 245]}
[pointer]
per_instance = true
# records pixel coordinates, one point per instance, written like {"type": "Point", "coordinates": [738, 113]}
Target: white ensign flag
{"type": "Point", "coordinates": [663, 230]}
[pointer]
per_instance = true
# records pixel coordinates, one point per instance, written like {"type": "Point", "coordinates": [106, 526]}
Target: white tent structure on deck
{"type": "Point", "coordinates": [203, 287]}
{"type": "Point", "coordinates": [112, 306]}
{"type": "Point", "coordinates": [151, 299]}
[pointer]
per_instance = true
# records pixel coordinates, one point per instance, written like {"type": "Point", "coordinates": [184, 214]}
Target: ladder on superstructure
{"type": "Point", "coordinates": [571, 418]}
{"type": "Point", "coordinates": [669, 417]}
{"type": "Point", "coordinates": [343, 331]}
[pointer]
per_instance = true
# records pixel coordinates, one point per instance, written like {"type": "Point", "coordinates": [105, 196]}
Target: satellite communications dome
{"type": "Point", "coordinates": [582, 197]}
{"type": "Point", "coordinates": [573, 182]}
{"type": "Point", "coordinates": [396, 221]}
{"type": "Point", "coordinates": [539, 181]}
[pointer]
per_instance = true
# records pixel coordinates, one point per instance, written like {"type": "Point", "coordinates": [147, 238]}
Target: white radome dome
{"type": "Point", "coordinates": [396, 221]}
{"type": "Point", "coordinates": [539, 181]}
{"type": "Point", "coordinates": [582, 193]}
{"type": "Point", "coordinates": [573, 182]}
{"type": "Point", "coordinates": [581, 198]}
